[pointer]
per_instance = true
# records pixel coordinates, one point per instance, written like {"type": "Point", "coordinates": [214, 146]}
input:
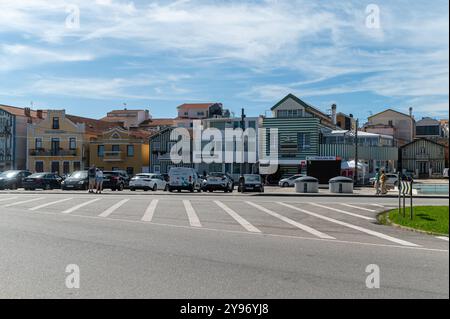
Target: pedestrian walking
{"type": "Point", "coordinates": [377, 182]}
{"type": "Point", "coordinates": [383, 179]}
{"type": "Point", "coordinates": [99, 181]}
{"type": "Point", "coordinates": [92, 172]}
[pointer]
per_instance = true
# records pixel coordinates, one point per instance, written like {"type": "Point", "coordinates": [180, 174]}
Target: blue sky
{"type": "Point", "coordinates": [159, 54]}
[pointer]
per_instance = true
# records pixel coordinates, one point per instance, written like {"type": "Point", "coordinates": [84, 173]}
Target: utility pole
{"type": "Point", "coordinates": [243, 142]}
{"type": "Point", "coordinates": [356, 151]}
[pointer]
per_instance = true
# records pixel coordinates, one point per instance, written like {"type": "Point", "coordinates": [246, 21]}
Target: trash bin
{"type": "Point", "coordinates": [341, 184]}
{"type": "Point", "coordinates": [307, 184]}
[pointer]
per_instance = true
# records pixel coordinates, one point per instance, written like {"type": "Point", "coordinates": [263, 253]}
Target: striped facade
{"type": "Point", "coordinates": [424, 158]}
{"type": "Point", "coordinates": [7, 141]}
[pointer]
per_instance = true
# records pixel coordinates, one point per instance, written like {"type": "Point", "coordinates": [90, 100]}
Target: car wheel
{"type": "Point", "coordinates": [121, 187]}
{"type": "Point", "coordinates": [132, 189]}
{"type": "Point", "coordinates": [286, 184]}
{"type": "Point", "coordinates": [155, 188]}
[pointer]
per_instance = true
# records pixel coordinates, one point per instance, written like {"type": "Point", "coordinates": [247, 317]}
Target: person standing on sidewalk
{"type": "Point", "coordinates": [377, 182]}
{"type": "Point", "coordinates": [99, 181]}
{"type": "Point", "coordinates": [92, 172]}
{"type": "Point", "coordinates": [383, 182]}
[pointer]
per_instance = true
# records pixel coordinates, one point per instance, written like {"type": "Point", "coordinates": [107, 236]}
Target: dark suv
{"type": "Point", "coordinates": [115, 180]}
{"type": "Point", "coordinates": [13, 179]}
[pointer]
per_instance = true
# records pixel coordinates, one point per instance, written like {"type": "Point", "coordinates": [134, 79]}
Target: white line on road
{"type": "Point", "coordinates": [24, 202]}
{"type": "Point", "coordinates": [5, 199]}
{"type": "Point", "coordinates": [51, 203]}
{"type": "Point", "coordinates": [113, 208]}
{"type": "Point", "coordinates": [148, 215]}
{"type": "Point", "coordinates": [360, 208]}
{"type": "Point", "coordinates": [241, 220]}
{"type": "Point", "coordinates": [343, 212]}
{"type": "Point", "coordinates": [442, 237]}
{"type": "Point", "coordinates": [292, 222]}
{"type": "Point", "coordinates": [361, 229]}
{"type": "Point", "coordinates": [192, 215]}
{"type": "Point", "coordinates": [377, 205]}
{"type": "Point", "coordinates": [70, 210]}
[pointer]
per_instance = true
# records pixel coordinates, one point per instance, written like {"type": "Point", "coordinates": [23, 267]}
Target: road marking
{"type": "Point", "coordinates": [24, 202]}
{"type": "Point", "coordinates": [70, 210]}
{"type": "Point", "coordinates": [5, 199]}
{"type": "Point", "coordinates": [361, 229]}
{"type": "Point", "coordinates": [113, 208]}
{"type": "Point", "coordinates": [51, 203]}
{"type": "Point", "coordinates": [241, 220]}
{"type": "Point", "coordinates": [442, 237]}
{"type": "Point", "coordinates": [359, 207]}
{"type": "Point", "coordinates": [343, 212]}
{"type": "Point", "coordinates": [292, 222]}
{"type": "Point", "coordinates": [148, 215]}
{"type": "Point", "coordinates": [377, 205]}
{"type": "Point", "coordinates": [192, 215]}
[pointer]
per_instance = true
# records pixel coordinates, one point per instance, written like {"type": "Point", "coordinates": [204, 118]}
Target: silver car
{"type": "Point", "coordinates": [290, 181]}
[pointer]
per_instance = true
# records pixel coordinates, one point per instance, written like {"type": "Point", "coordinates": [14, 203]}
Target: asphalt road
{"type": "Point", "coordinates": [158, 245]}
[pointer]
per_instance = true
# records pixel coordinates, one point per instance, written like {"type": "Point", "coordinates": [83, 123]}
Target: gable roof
{"type": "Point", "coordinates": [190, 106]}
{"type": "Point", "coordinates": [302, 103]}
{"type": "Point", "coordinates": [157, 122]}
{"type": "Point", "coordinates": [422, 139]}
{"type": "Point", "coordinates": [379, 113]}
{"type": "Point", "coordinates": [19, 111]}
{"type": "Point", "coordinates": [93, 126]}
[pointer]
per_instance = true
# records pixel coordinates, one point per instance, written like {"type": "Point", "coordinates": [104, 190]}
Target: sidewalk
{"type": "Point", "coordinates": [357, 192]}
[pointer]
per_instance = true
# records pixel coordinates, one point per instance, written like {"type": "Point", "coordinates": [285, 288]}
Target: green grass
{"type": "Point", "coordinates": [433, 219]}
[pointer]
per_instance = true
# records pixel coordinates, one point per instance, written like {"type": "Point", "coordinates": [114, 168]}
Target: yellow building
{"type": "Point", "coordinates": [60, 142]}
{"type": "Point", "coordinates": [121, 149]}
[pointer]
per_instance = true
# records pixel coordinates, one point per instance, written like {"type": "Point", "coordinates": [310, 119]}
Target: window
{"type": "Point", "coordinates": [156, 169]}
{"type": "Point", "coordinates": [304, 141]}
{"type": "Point", "coordinates": [39, 167]}
{"type": "Point", "coordinates": [130, 170]}
{"type": "Point", "coordinates": [290, 113]}
{"type": "Point", "coordinates": [200, 113]}
{"type": "Point", "coordinates": [156, 146]}
{"type": "Point", "coordinates": [55, 146]}
{"type": "Point", "coordinates": [38, 143]}
{"type": "Point", "coordinates": [115, 148]}
{"type": "Point", "coordinates": [115, 169]}
{"type": "Point", "coordinates": [130, 150]}
{"type": "Point", "coordinates": [55, 167]}
{"type": "Point", "coordinates": [391, 123]}
{"type": "Point", "coordinates": [252, 124]}
{"type": "Point", "coordinates": [66, 168]}
{"type": "Point", "coordinates": [55, 124]}
{"type": "Point", "coordinates": [101, 150]}
{"type": "Point", "coordinates": [76, 166]}
{"type": "Point", "coordinates": [73, 143]}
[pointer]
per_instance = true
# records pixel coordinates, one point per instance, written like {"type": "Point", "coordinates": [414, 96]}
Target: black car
{"type": "Point", "coordinates": [251, 183]}
{"type": "Point", "coordinates": [115, 180]}
{"type": "Point", "coordinates": [77, 180]}
{"type": "Point", "coordinates": [42, 181]}
{"type": "Point", "coordinates": [12, 179]}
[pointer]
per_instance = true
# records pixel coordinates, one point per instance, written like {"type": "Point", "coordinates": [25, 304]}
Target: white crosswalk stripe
{"type": "Point", "coordinates": [74, 208]}
{"type": "Point", "coordinates": [6, 199]}
{"type": "Point", "coordinates": [192, 215]}
{"type": "Point", "coordinates": [361, 229]}
{"type": "Point", "coordinates": [51, 203]}
{"type": "Point", "coordinates": [292, 222]}
{"type": "Point", "coordinates": [241, 220]}
{"type": "Point", "coordinates": [24, 202]}
{"type": "Point", "coordinates": [343, 212]}
{"type": "Point", "coordinates": [360, 208]}
{"type": "Point", "coordinates": [150, 211]}
{"type": "Point", "coordinates": [113, 208]}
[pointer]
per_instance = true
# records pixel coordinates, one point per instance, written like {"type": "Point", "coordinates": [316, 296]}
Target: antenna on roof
{"type": "Point", "coordinates": [125, 106]}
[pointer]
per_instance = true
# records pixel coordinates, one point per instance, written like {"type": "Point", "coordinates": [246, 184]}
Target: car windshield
{"type": "Point", "coordinates": [110, 173]}
{"type": "Point", "coordinates": [252, 178]}
{"type": "Point", "coordinates": [216, 175]}
{"type": "Point", "coordinates": [79, 174]}
{"type": "Point", "coordinates": [141, 176]}
{"type": "Point", "coordinates": [37, 175]}
{"type": "Point", "coordinates": [9, 174]}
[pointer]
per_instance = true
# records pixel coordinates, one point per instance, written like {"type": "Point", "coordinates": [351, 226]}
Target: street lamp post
{"type": "Point", "coordinates": [243, 116]}
{"type": "Point", "coordinates": [356, 152]}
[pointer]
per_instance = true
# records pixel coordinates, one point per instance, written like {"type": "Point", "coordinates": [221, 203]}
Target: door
{"type": "Point", "coordinates": [55, 167]}
{"type": "Point", "coordinates": [423, 169]}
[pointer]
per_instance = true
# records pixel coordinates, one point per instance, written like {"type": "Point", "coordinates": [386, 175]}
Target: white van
{"type": "Point", "coordinates": [184, 178]}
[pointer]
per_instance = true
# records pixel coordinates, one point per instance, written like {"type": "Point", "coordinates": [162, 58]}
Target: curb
{"type": "Point", "coordinates": [347, 195]}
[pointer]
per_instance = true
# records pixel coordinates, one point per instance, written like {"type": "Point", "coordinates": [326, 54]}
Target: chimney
{"type": "Point", "coordinates": [411, 112]}
{"type": "Point", "coordinates": [27, 112]}
{"type": "Point", "coordinates": [333, 114]}
{"type": "Point", "coordinates": [39, 114]}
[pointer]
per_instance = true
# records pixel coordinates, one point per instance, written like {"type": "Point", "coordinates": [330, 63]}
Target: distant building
{"type": "Point", "coordinates": [128, 118]}
{"type": "Point", "coordinates": [424, 158]}
{"type": "Point", "coordinates": [121, 149]}
{"type": "Point", "coordinates": [388, 122]}
{"type": "Point", "coordinates": [345, 122]}
{"type": "Point", "coordinates": [429, 128]}
{"type": "Point", "coordinates": [156, 125]}
{"type": "Point", "coordinates": [13, 135]}
{"type": "Point", "coordinates": [189, 112]}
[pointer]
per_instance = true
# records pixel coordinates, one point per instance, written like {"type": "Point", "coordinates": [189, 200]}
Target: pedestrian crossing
{"type": "Point", "coordinates": [315, 220]}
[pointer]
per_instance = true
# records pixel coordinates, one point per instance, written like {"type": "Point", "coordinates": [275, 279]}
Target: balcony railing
{"type": "Point", "coordinates": [52, 152]}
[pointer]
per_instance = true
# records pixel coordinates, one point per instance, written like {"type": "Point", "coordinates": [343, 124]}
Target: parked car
{"type": "Point", "coordinates": [218, 182]}
{"type": "Point", "coordinates": [114, 180]}
{"type": "Point", "coordinates": [42, 181]}
{"type": "Point", "coordinates": [146, 181]}
{"type": "Point", "coordinates": [126, 178]}
{"type": "Point", "coordinates": [290, 181]}
{"type": "Point", "coordinates": [251, 182]}
{"type": "Point", "coordinates": [13, 179]}
{"type": "Point", "coordinates": [76, 180]}
{"type": "Point", "coordinates": [203, 182]}
{"type": "Point", "coordinates": [184, 178]}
